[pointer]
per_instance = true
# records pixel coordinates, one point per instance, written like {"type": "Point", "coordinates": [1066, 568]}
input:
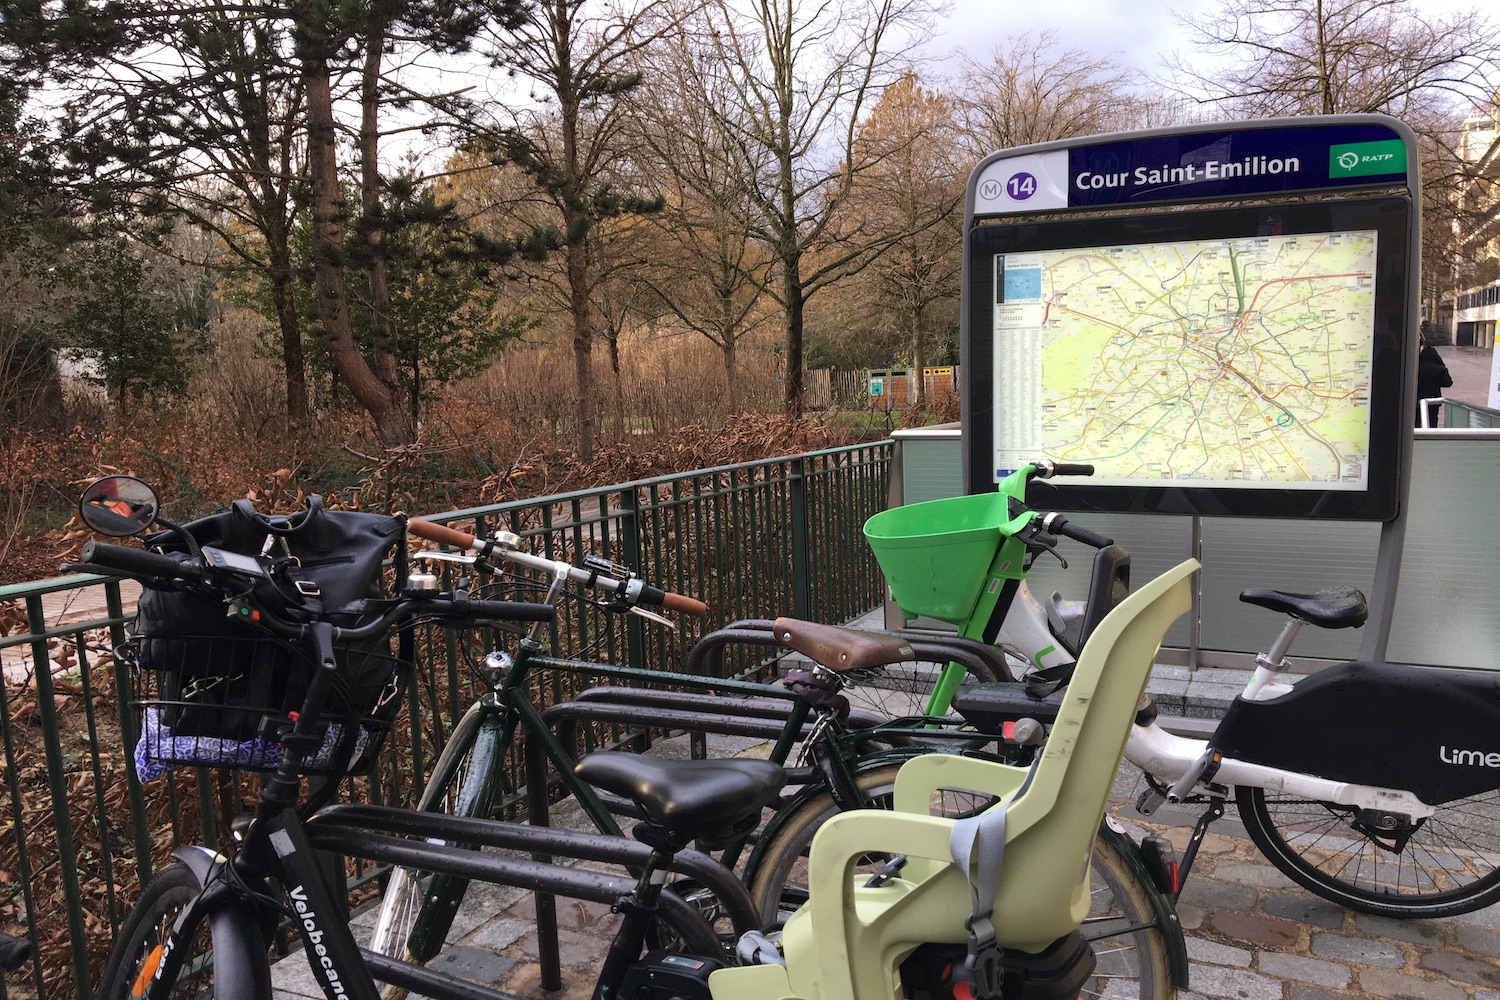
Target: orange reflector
{"type": "Point", "coordinates": [148, 969]}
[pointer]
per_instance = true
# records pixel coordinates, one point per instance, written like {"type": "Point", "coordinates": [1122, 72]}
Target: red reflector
{"type": "Point", "coordinates": [1008, 730]}
{"type": "Point", "coordinates": [961, 990]}
{"type": "Point", "coordinates": [292, 716]}
{"type": "Point", "coordinates": [1173, 871]}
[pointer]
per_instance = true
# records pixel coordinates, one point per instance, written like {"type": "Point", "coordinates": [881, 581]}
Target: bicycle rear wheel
{"type": "Point", "coordinates": [1446, 864]}
{"type": "Point", "coordinates": [138, 949]}
{"type": "Point", "coordinates": [1129, 946]}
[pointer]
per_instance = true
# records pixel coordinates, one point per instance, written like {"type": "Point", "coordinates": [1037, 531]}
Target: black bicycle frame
{"type": "Point", "coordinates": [284, 849]}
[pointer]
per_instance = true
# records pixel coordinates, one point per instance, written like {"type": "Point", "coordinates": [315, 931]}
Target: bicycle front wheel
{"type": "Point", "coordinates": [1130, 949]}
{"type": "Point", "coordinates": [138, 950]}
{"type": "Point", "coordinates": [418, 907]}
{"type": "Point", "coordinates": [1445, 864]}
{"type": "Point", "coordinates": [900, 690]}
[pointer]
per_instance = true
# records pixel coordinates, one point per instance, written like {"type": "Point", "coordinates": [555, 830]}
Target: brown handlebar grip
{"type": "Point", "coordinates": [684, 604]}
{"type": "Point", "coordinates": [442, 534]}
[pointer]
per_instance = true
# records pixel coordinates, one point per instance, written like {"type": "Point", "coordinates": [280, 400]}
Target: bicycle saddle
{"type": "Point", "coordinates": [1338, 607]}
{"type": "Point", "coordinates": [695, 799]}
{"type": "Point", "coordinates": [838, 648]}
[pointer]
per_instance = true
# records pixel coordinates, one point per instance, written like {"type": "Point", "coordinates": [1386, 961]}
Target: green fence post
{"type": "Point", "coordinates": [801, 589]}
{"type": "Point", "coordinates": [632, 545]}
{"type": "Point", "coordinates": [57, 783]}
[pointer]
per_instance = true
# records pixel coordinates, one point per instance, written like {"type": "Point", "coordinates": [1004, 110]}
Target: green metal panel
{"type": "Point", "coordinates": [1446, 606]}
{"type": "Point", "coordinates": [931, 464]}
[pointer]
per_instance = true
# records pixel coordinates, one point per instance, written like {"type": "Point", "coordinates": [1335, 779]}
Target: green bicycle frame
{"type": "Point", "coordinates": [1006, 571]}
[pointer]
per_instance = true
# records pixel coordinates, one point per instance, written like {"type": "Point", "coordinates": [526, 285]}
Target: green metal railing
{"type": "Point", "coordinates": [79, 833]}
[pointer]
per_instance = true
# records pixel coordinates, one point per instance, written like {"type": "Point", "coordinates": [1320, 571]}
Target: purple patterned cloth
{"type": "Point", "coordinates": [158, 751]}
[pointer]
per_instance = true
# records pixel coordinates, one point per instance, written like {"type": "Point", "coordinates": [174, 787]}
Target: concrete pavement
{"type": "Point", "coordinates": [1470, 368]}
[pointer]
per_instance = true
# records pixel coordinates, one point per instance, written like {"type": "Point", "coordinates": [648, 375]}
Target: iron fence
{"type": "Point", "coordinates": [80, 833]}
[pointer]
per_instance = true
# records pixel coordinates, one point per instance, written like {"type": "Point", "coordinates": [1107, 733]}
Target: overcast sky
{"type": "Point", "coordinates": [1140, 33]}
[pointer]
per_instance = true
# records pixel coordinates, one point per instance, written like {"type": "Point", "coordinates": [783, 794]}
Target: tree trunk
{"type": "Point", "coordinates": [285, 303]}
{"type": "Point", "coordinates": [795, 300]}
{"type": "Point", "coordinates": [617, 395]}
{"type": "Point", "coordinates": [383, 352]}
{"type": "Point", "coordinates": [583, 347]}
{"type": "Point", "coordinates": [918, 360]}
{"type": "Point", "coordinates": [391, 424]}
{"type": "Point", "coordinates": [731, 380]}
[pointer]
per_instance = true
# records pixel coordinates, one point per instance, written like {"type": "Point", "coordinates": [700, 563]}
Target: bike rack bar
{"type": "Point", "coordinates": [344, 823]}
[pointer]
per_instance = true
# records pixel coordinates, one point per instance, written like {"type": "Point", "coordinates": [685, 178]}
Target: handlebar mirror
{"type": "Point", "coordinates": [118, 506]}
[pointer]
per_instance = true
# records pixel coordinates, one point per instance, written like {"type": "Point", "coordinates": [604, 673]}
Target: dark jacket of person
{"type": "Point", "coordinates": [1432, 379]}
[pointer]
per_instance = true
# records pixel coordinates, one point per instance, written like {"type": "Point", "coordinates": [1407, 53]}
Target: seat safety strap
{"type": "Point", "coordinates": [977, 845]}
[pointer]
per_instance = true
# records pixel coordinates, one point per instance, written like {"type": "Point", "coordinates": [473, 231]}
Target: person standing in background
{"type": "Point", "coordinates": [1432, 379]}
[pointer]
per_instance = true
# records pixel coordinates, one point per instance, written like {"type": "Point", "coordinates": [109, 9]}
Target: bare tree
{"type": "Point", "coordinates": [1310, 57]}
{"type": "Point", "coordinates": [706, 271]}
{"type": "Point", "coordinates": [1032, 91]}
{"type": "Point", "coordinates": [913, 193]}
{"type": "Point", "coordinates": [583, 57]}
{"type": "Point", "coordinates": [802, 76]}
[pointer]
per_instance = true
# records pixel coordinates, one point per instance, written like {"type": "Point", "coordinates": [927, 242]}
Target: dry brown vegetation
{"type": "Point", "coordinates": [501, 436]}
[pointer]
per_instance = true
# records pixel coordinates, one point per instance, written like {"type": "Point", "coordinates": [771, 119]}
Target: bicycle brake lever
{"type": "Point", "coordinates": [452, 557]}
{"type": "Point", "coordinates": [653, 616]}
{"type": "Point", "coordinates": [1041, 541]}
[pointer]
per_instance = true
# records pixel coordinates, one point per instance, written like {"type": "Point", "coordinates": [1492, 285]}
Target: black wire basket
{"type": "Point", "coordinates": [229, 701]}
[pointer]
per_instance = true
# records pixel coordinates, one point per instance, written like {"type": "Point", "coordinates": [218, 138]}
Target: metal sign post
{"type": "Point", "coordinates": [1222, 319]}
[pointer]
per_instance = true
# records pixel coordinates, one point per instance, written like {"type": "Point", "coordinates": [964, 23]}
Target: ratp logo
{"type": "Point", "coordinates": [1364, 159]}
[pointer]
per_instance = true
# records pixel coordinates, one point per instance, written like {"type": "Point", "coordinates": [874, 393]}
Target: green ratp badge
{"type": "Point", "coordinates": [1360, 158]}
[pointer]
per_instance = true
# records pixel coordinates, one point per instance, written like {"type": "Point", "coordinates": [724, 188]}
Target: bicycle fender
{"type": "Point", "coordinates": [240, 940]}
{"type": "Point", "coordinates": [1161, 904]}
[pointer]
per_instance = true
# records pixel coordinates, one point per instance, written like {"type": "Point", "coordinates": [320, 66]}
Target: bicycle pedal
{"type": "Point", "coordinates": [1149, 801]}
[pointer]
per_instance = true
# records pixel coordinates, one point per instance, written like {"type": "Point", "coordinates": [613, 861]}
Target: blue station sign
{"type": "Point", "coordinates": [1186, 166]}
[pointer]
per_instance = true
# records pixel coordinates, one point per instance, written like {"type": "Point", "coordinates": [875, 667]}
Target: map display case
{"type": "Point", "coordinates": [1220, 319]}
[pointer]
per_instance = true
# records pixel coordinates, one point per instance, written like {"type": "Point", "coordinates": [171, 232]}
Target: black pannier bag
{"type": "Point", "coordinates": [208, 678]}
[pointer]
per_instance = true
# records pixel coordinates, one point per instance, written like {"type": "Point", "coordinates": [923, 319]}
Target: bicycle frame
{"type": "Point", "coordinates": [281, 847]}
{"type": "Point", "coordinates": [489, 728]}
{"type": "Point", "coordinates": [1006, 613]}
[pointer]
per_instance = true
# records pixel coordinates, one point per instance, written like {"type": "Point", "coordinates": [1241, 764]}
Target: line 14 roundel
{"type": "Point", "coordinates": [1020, 186]}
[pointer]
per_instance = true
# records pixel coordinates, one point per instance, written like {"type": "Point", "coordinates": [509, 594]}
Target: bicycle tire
{"type": "Point", "coordinates": [137, 948]}
{"type": "Point", "coordinates": [1122, 925]}
{"type": "Point", "coordinates": [902, 690]}
{"type": "Point", "coordinates": [412, 894]}
{"type": "Point", "coordinates": [1449, 864]}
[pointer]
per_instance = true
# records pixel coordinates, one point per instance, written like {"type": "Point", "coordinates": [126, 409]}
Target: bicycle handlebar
{"type": "Point", "coordinates": [138, 562]}
{"type": "Point", "coordinates": [642, 594]}
{"type": "Point", "coordinates": [141, 563]}
{"type": "Point", "coordinates": [1056, 524]}
{"type": "Point", "coordinates": [1072, 469]}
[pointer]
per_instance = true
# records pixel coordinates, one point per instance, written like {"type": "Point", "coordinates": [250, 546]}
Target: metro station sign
{"type": "Point", "coordinates": [1196, 166]}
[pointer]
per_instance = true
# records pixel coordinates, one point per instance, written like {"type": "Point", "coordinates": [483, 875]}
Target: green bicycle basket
{"type": "Point", "coordinates": [935, 554]}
